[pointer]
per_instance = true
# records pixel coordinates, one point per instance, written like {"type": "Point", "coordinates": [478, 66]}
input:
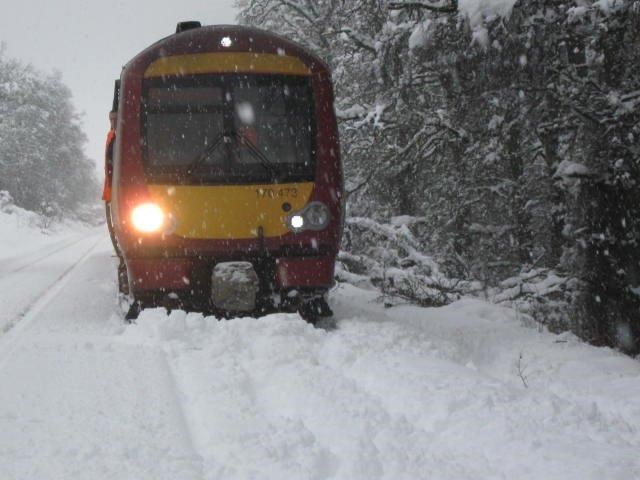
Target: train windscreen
{"type": "Point", "coordinates": [228, 129]}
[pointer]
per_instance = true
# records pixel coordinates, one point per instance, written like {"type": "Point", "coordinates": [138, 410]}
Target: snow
{"type": "Point", "coordinates": [575, 14]}
{"type": "Point", "coordinates": [235, 272]}
{"type": "Point", "coordinates": [495, 122]}
{"type": "Point", "coordinates": [353, 111]}
{"type": "Point", "coordinates": [246, 113]}
{"type": "Point", "coordinates": [421, 35]}
{"type": "Point", "coordinates": [480, 36]}
{"type": "Point", "coordinates": [567, 168]}
{"type": "Point", "coordinates": [464, 391]}
{"type": "Point", "coordinates": [18, 227]}
{"type": "Point", "coordinates": [23, 232]}
{"type": "Point", "coordinates": [400, 393]}
{"type": "Point", "coordinates": [479, 12]}
{"type": "Point", "coordinates": [401, 220]}
{"type": "Point", "coordinates": [33, 258]}
{"type": "Point", "coordinates": [608, 6]}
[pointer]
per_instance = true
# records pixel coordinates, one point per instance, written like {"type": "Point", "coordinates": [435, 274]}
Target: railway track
{"type": "Point", "coordinates": [15, 265]}
{"type": "Point", "coordinates": [94, 404]}
{"type": "Point", "coordinates": [19, 316]}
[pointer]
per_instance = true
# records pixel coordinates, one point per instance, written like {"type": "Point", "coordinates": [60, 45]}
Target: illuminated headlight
{"type": "Point", "coordinates": [315, 216]}
{"type": "Point", "coordinates": [297, 222]}
{"type": "Point", "coordinates": [148, 218]}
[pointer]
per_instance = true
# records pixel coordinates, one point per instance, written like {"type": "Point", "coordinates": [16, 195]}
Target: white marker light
{"type": "Point", "coordinates": [317, 215]}
{"type": "Point", "coordinates": [297, 221]}
{"type": "Point", "coordinates": [226, 42]}
{"type": "Point", "coordinates": [147, 218]}
{"type": "Point", "coordinates": [314, 216]}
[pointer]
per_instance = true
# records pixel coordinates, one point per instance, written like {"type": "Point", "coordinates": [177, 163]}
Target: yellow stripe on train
{"type": "Point", "coordinates": [226, 62]}
{"type": "Point", "coordinates": [231, 211]}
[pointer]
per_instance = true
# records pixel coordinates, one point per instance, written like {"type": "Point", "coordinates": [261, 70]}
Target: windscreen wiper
{"type": "Point", "coordinates": [265, 162]}
{"type": "Point", "coordinates": [202, 158]}
{"type": "Point", "coordinates": [228, 137]}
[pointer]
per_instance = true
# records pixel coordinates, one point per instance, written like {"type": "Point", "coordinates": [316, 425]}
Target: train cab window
{"type": "Point", "coordinates": [228, 129]}
{"type": "Point", "coordinates": [181, 123]}
{"type": "Point", "coordinates": [276, 120]}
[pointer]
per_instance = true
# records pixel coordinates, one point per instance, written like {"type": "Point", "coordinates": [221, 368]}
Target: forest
{"type": "Point", "coordinates": [43, 166]}
{"type": "Point", "coordinates": [490, 147]}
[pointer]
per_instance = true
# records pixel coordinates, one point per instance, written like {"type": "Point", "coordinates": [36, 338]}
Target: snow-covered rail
{"type": "Point", "coordinates": [75, 400]}
{"type": "Point", "coordinates": [27, 283]}
{"type": "Point", "coordinates": [15, 265]}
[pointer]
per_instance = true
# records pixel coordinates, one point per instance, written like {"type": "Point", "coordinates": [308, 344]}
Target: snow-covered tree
{"type": "Point", "coordinates": [506, 130]}
{"type": "Point", "coordinates": [42, 161]}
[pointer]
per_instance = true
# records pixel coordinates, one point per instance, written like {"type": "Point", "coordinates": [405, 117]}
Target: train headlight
{"type": "Point", "coordinates": [148, 218]}
{"type": "Point", "coordinates": [297, 222]}
{"type": "Point", "coordinates": [315, 216]}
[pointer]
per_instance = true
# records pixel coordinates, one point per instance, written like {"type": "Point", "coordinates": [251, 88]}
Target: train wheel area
{"type": "Point", "coordinates": [228, 289]}
{"type": "Point", "coordinates": [312, 306]}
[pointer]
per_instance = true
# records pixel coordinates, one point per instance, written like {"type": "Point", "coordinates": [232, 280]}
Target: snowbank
{"type": "Point", "coordinates": [19, 230]}
{"type": "Point", "coordinates": [22, 231]}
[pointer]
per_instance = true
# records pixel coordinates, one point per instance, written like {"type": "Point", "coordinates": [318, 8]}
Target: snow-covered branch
{"type": "Point", "coordinates": [447, 7]}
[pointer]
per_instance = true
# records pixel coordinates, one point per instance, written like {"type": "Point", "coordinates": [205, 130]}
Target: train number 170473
{"type": "Point", "coordinates": [287, 192]}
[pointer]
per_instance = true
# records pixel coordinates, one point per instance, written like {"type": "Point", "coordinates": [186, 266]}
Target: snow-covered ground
{"type": "Point", "coordinates": [461, 392]}
{"type": "Point", "coordinates": [33, 258]}
{"type": "Point", "coordinates": [21, 231]}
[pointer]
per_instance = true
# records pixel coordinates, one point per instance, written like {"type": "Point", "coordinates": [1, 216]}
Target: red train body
{"type": "Point", "coordinates": [230, 134]}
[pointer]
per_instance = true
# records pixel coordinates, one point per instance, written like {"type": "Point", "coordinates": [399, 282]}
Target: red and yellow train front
{"type": "Point", "coordinates": [226, 153]}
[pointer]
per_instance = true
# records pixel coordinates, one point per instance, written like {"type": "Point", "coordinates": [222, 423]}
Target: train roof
{"type": "Point", "coordinates": [223, 38]}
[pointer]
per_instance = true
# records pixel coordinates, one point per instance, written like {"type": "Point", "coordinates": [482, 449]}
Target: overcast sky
{"type": "Point", "coordinates": [88, 41]}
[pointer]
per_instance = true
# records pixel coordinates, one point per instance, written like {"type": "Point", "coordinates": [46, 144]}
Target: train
{"type": "Point", "coordinates": [224, 184]}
